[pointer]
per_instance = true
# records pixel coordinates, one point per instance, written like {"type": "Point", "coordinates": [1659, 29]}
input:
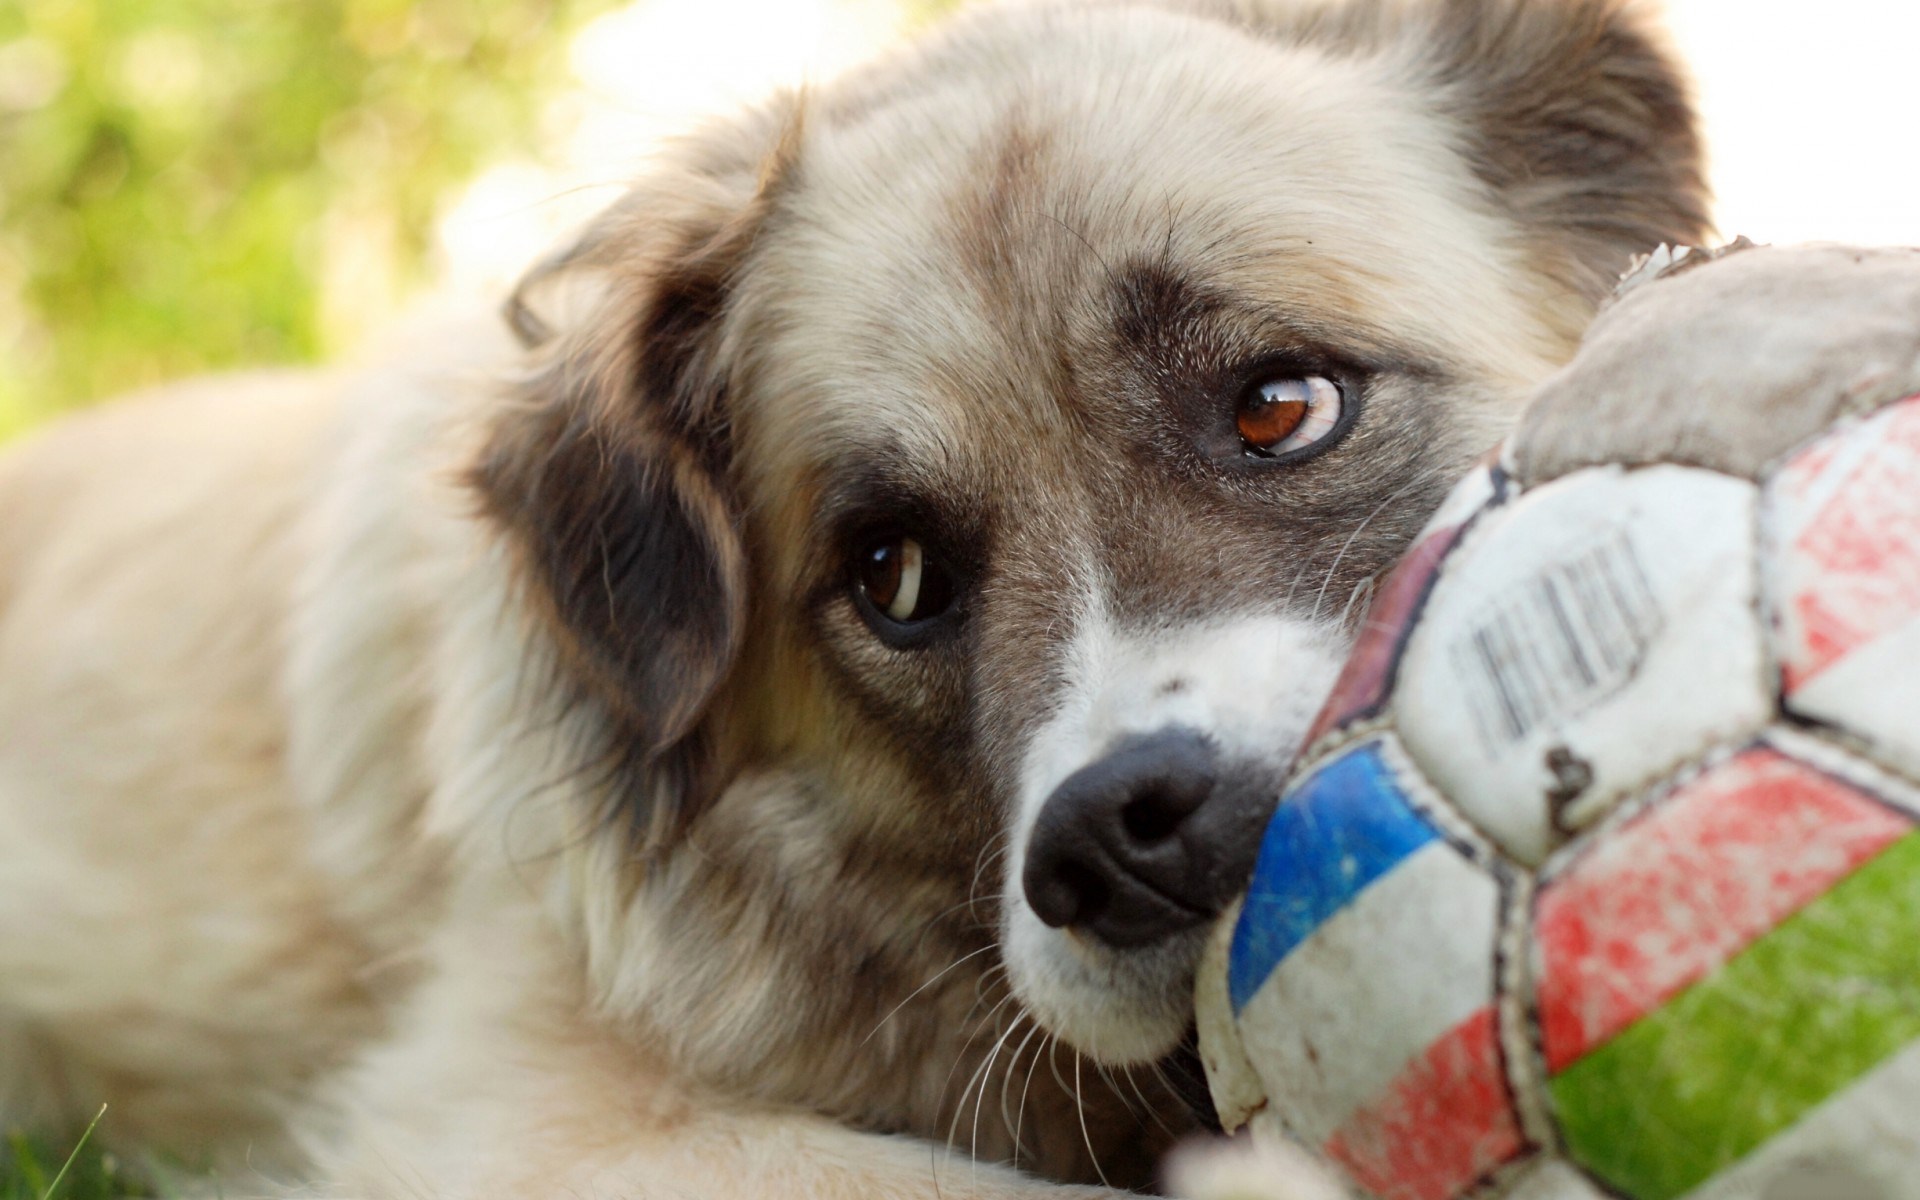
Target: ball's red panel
{"type": "Point", "coordinates": [1663, 901]}
{"type": "Point", "coordinates": [1852, 502]}
{"type": "Point", "coordinates": [1846, 581]}
{"type": "Point", "coordinates": [1789, 1052]}
{"type": "Point", "coordinates": [1444, 1124]}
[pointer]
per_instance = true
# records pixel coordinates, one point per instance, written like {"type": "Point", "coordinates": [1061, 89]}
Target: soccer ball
{"type": "Point", "coordinates": [1600, 875]}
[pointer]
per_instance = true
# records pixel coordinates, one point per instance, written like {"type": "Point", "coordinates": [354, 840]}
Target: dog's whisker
{"type": "Point", "coordinates": [931, 925]}
{"type": "Point", "coordinates": [980, 1097]}
{"type": "Point", "coordinates": [1153, 1110]}
{"type": "Point", "coordinates": [1359, 529]}
{"type": "Point", "coordinates": [983, 988]}
{"type": "Point", "coordinates": [1084, 241]}
{"type": "Point", "coordinates": [1053, 1065]}
{"type": "Point", "coordinates": [981, 1074]}
{"type": "Point", "coordinates": [988, 856]}
{"type": "Point", "coordinates": [1299, 574]}
{"type": "Point", "coordinates": [1073, 1090]}
{"type": "Point", "coordinates": [1006, 1082]}
{"type": "Point", "coordinates": [985, 859]}
{"type": "Point", "coordinates": [1080, 1106]}
{"type": "Point", "coordinates": [960, 1106]}
{"type": "Point", "coordinates": [923, 987]}
{"type": "Point", "coordinates": [1026, 1087]}
{"type": "Point", "coordinates": [1166, 1083]}
{"type": "Point", "coordinates": [1361, 597]}
{"type": "Point", "coordinates": [1106, 1075]}
{"type": "Point", "coordinates": [978, 1076]}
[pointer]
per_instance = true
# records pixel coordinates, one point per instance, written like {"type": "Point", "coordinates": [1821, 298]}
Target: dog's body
{"type": "Point", "coordinates": [638, 763]}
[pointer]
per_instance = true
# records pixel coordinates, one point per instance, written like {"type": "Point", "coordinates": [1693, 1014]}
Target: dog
{"type": "Point", "coordinates": [788, 701]}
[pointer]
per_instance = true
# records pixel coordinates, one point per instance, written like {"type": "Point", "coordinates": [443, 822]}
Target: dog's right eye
{"type": "Point", "coordinates": [1283, 416]}
{"type": "Point", "coordinates": [901, 583]}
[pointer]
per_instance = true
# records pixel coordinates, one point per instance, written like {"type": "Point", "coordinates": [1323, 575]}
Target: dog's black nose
{"type": "Point", "coordinates": [1143, 843]}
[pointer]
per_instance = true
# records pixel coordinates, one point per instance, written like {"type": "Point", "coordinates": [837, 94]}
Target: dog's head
{"type": "Point", "coordinates": [964, 485]}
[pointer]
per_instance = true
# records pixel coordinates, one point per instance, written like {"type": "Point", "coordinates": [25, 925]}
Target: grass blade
{"type": "Point", "coordinates": [75, 1153]}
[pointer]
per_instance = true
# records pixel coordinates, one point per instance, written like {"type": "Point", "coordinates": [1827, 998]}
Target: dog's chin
{"type": "Point", "coordinates": [1118, 1007]}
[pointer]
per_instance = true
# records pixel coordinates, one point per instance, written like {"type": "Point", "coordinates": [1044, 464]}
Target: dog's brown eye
{"type": "Point", "coordinates": [1281, 415]}
{"type": "Point", "coordinates": [902, 582]}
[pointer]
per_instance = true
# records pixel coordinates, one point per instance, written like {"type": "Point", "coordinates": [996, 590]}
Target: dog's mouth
{"type": "Point", "coordinates": [1119, 1007]}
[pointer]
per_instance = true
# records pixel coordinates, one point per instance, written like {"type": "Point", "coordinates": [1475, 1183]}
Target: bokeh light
{"type": "Point", "coordinates": [641, 73]}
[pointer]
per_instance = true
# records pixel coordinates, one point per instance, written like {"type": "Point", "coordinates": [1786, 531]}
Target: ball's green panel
{"type": "Point", "coordinates": [1792, 1021]}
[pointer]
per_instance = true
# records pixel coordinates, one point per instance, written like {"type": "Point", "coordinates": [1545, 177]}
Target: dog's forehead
{"type": "Point", "coordinates": [960, 237]}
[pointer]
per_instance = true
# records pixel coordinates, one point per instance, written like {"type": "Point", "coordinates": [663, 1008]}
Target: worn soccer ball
{"type": "Point", "coordinates": [1600, 876]}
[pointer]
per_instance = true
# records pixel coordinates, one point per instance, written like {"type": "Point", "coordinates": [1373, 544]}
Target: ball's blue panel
{"type": "Point", "coordinates": [1340, 829]}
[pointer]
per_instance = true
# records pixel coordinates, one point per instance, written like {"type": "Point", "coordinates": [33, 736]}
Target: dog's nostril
{"type": "Point", "coordinates": [1111, 852]}
{"type": "Point", "coordinates": [1154, 817]}
{"type": "Point", "coordinates": [1089, 890]}
{"type": "Point", "coordinates": [1065, 892]}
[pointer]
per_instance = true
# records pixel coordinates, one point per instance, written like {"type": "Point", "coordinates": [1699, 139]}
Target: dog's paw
{"type": "Point", "coordinates": [1242, 1168]}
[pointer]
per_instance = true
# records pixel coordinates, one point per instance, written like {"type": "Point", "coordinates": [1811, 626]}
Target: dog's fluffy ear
{"type": "Point", "coordinates": [1573, 112]}
{"type": "Point", "coordinates": [1582, 123]}
{"type": "Point", "coordinates": [610, 474]}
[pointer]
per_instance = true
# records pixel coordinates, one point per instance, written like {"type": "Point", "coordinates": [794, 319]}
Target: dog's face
{"type": "Point", "coordinates": [966, 489]}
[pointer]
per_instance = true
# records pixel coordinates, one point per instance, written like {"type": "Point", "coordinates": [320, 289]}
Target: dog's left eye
{"type": "Point", "coordinates": [1278, 416]}
{"type": "Point", "coordinates": [902, 583]}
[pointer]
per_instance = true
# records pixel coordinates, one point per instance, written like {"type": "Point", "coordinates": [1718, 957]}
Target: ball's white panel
{"type": "Point", "coordinates": [1845, 534]}
{"type": "Point", "coordinates": [1586, 640]}
{"type": "Point", "coordinates": [1862, 1144]}
{"type": "Point", "coordinates": [1372, 989]}
{"type": "Point", "coordinates": [1362, 971]}
{"type": "Point", "coordinates": [1552, 1179]}
{"type": "Point", "coordinates": [1236, 1087]}
{"type": "Point", "coordinates": [1875, 695]}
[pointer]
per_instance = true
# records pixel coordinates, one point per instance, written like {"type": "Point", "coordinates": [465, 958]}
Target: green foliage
{"type": "Point", "coordinates": [182, 180]}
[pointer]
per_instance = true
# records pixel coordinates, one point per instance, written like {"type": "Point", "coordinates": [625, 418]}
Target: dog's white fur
{"type": "Point", "coordinates": [300, 866]}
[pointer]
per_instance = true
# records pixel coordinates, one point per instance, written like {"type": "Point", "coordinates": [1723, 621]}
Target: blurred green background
{"type": "Point", "coordinates": [190, 184]}
{"type": "Point", "coordinates": [178, 178]}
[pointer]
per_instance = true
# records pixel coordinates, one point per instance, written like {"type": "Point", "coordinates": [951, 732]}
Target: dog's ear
{"type": "Point", "coordinates": [610, 472]}
{"type": "Point", "coordinates": [1583, 124]}
{"type": "Point", "coordinates": [1574, 113]}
